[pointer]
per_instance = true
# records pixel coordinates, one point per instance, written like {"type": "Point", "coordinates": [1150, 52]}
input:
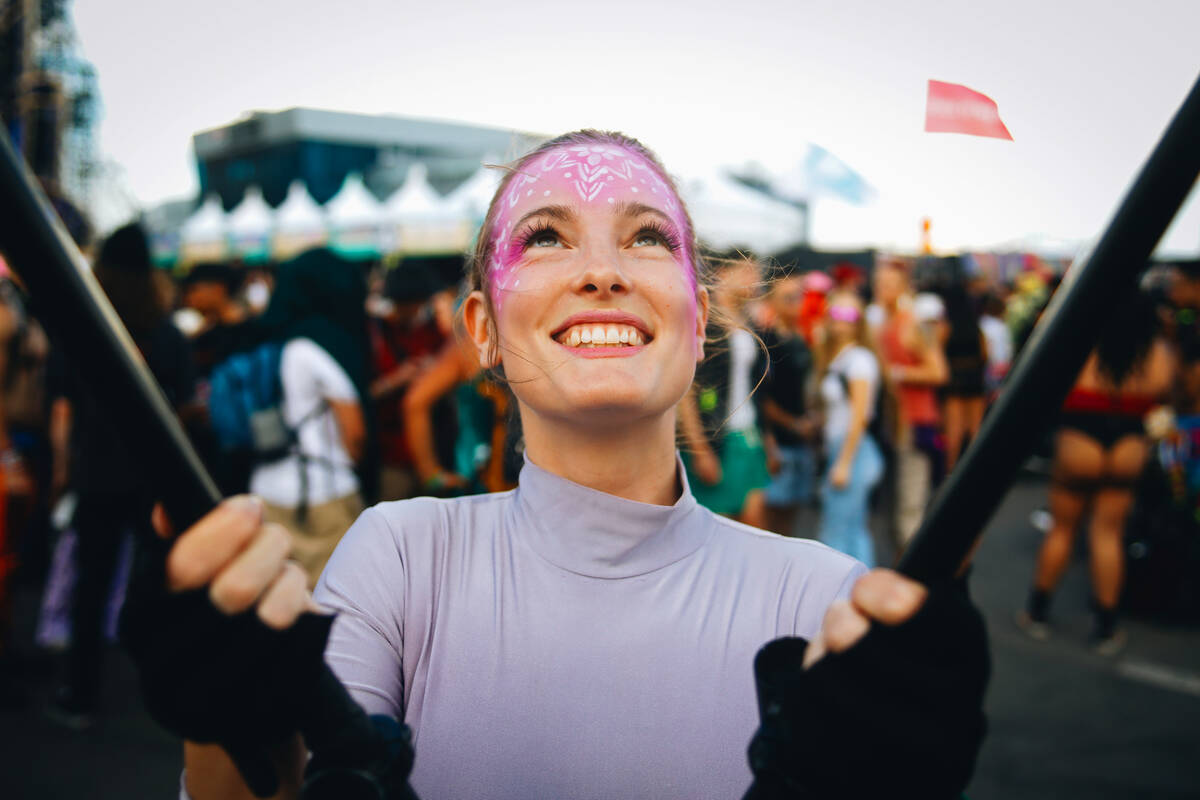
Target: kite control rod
{"type": "Point", "coordinates": [74, 309]}
{"type": "Point", "coordinates": [1046, 370]}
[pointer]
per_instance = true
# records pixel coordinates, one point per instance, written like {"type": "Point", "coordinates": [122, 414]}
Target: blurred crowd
{"type": "Point", "coordinates": [831, 404]}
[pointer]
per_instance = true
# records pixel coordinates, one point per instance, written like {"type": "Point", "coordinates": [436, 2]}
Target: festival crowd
{"type": "Point", "coordinates": [831, 408]}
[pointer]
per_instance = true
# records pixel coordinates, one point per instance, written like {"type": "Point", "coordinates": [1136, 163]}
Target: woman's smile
{"type": "Point", "coordinates": [603, 333]}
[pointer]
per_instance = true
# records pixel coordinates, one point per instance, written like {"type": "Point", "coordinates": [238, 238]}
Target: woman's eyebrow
{"type": "Point", "coordinates": [628, 209]}
{"type": "Point", "coordinates": [560, 213]}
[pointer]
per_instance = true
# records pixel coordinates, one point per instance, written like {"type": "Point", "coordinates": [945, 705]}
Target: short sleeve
{"type": "Point", "coordinates": [835, 584]}
{"type": "Point", "coordinates": [305, 363]}
{"type": "Point", "coordinates": [861, 366]}
{"type": "Point", "coordinates": [364, 583]}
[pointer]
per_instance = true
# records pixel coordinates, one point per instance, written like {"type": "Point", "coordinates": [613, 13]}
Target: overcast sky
{"type": "Point", "coordinates": [1084, 87]}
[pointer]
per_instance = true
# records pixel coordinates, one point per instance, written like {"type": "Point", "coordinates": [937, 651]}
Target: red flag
{"type": "Point", "coordinates": [951, 108]}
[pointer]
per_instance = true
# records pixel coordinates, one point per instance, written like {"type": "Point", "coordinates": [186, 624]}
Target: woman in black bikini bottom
{"type": "Point", "coordinates": [1099, 454]}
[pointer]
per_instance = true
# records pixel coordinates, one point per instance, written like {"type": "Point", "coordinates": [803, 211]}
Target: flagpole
{"type": "Point", "coordinates": [1067, 332]}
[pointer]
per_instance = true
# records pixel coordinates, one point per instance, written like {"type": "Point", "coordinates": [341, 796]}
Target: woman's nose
{"type": "Point", "coordinates": [602, 273]}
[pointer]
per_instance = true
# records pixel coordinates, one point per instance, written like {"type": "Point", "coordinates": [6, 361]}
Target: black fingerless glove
{"type": "Point", "coordinates": [213, 678]}
{"type": "Point", "coordinates": [374, 770]}
{"type": "Point", "coordinates": [899, 714]}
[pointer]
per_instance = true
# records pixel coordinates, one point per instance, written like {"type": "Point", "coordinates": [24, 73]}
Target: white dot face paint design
{"type": "Point", "coordinates": [593, 173]}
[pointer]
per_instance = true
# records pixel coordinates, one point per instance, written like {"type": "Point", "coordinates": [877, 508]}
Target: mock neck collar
{"type": "Point", "coordinates": [600, 535]}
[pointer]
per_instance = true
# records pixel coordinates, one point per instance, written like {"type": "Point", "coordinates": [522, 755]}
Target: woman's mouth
{"type": "Point", "coordinates": [594, 335]}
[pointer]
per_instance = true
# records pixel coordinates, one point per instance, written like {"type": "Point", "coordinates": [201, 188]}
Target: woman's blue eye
{"type": "Point", "coordinates": [646, 239]}
{"type": "Point", "coordinates": [544, 239]}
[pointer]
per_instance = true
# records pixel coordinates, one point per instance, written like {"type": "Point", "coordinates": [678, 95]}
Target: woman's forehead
{"type": "Point", "coordinates": [588, 174]}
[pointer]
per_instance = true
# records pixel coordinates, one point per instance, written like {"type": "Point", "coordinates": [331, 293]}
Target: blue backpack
{"type": "Point", "coordinates": [245, 404]}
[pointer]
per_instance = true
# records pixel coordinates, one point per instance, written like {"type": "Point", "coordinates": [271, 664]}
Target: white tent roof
{"type": "Point", "coordinates": [252, 216]}
{"type": "Point", "coordinates": [299, 213]}
{"type": "Point", "coordinates": [206, 224]}
{"type": "Point", "coordinates": [354, 205]}
{"type": "Point", "coordinates": [415, 199]}
{"type": "Point", "coordinates": [730, 214]}
{"type": "Point", "coordinates": [471, 197]}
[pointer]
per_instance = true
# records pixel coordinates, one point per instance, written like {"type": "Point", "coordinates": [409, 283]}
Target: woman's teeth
{"type": "Point", "coordinates": [600, 336]}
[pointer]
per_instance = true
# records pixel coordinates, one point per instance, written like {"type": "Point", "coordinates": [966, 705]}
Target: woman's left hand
{"type": "Point", "coordinates": [839, 475]}
{"type": "Point", "coordinates": [886, 701]}
{"type": "Point", "coordinates": [881, 595]}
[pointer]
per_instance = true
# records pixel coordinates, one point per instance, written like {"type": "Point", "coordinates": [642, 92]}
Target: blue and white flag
{"type": "Point", "coordinates": [826, 174]}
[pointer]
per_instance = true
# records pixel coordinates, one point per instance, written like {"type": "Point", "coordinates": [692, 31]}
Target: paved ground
{"type": "Point", "coordinates": [1064, 723]}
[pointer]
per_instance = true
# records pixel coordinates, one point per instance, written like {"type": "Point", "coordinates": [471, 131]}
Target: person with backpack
{"type": "Point", "coordinates": [299, 401]}
{"type": "Point", "coordinates": [849, 387]}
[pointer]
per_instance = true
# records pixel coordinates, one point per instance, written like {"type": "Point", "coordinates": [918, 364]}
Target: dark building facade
{"type": "Point", "coordinates": [272, 149]}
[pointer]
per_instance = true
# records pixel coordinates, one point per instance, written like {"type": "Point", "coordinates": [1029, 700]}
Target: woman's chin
{"type": "Point", "coordinates": [608, 402]}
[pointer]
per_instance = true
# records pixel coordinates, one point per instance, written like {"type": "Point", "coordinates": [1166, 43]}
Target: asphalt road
{"type": "Point", "coordinates": [1064, 723]}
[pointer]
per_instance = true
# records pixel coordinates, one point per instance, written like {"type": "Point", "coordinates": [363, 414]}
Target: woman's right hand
{"type": "Point", "coordinates": [241, 560]}
{"type": "Point", "coordinates": [216, 621]}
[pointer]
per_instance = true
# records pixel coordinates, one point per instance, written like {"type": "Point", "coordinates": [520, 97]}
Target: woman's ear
{"type": "Point", "coordinates": [481, 329]}
{"type": "Point", "coordinates": [701, 321]}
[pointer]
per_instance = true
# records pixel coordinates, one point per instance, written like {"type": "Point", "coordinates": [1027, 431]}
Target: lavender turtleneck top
{"type": "Point", "coordinates": [559, 642]}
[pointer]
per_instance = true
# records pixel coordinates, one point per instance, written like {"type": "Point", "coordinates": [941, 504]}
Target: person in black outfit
{"type": "Point", "coordinates": [966, 355]}
{"type": "Point", "coordinates": [788, 429]}
{"type": "Point", "coordinates": [113, 496]}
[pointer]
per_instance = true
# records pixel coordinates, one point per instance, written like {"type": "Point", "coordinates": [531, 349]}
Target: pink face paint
{"type": "Point", "coordinates": [844, 313]}
{"type": "Point", "coordinates": [604, 174]}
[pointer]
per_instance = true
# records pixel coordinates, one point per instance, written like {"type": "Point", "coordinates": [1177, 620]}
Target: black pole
{"type": "Point", "coordinates": [1055, 353]}
{"type": "Point", "coordinates": [77, 314]}
{"type": "Point", "coordinates": [74, 309]}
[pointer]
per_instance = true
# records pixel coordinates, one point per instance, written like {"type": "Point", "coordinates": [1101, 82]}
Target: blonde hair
{"type": "Point", "coordinates": [862, 335]}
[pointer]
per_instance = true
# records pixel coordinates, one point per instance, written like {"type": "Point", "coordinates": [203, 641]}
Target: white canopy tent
{"type": "Point", "coordinates": [356, 220]}
{"type": "Point", "coordinates": [472, 197]}
{"type": "Point", "coordinates": [415, 200]}
{"type": "Point", "coordinates": [729, 214]}
{"type": "Point", "coordinates": [419, 220]}
{"type": "Point", "coordinates": [249, 227]}
{"type": "Point", "coordinates": [299, 223]}
{"type": "Point", "coordinates": [203, 236]}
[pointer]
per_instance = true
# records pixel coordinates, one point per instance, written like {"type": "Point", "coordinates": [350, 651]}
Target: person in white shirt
{"type": "Point", "coordinates": [849, 386]}
{"type": "Point", "coordinates": [999, 341]}
{"type": "Point", "coordinates": [318, 311]}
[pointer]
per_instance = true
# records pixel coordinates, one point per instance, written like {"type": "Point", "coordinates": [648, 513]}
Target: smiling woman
{"type": "Point", "coordinates": [591, 633]}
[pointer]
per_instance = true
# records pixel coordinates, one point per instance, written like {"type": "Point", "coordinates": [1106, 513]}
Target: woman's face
{"type": "Point", "coordinates": [842, 317]}
{"type": "Point", "coordinates": [890, 283]}
{"type": "Point", "coordinates": [786, 296]}
{"type": "Point", "coordinates": [593, 287]}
